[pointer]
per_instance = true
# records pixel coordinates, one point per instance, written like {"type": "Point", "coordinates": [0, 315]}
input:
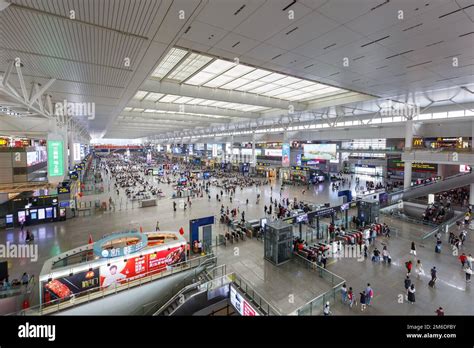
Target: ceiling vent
{"type": "Point", "coordinates": [380, 5]}
{"type": "Point", "coordinates": [187, 29]}
{"type": "Point", "coordinates": [291, 4]}
{"type": "Point", "coordinates": [358, 59]}
{"type": "Point", "coordinates": [455, 11]}
{"type": "Point", "coordinates": [325, 48]}
{"type": "Point", "coordinates": [472, 32]}
{"type": "Point", "coordinates": [372, 42]}
{"type": "Point", "coordinates": [411, 66]}
{"type": "Point", "coordinates": [240, 9]}
{"type": "Point", "coordinates": [435, 43]}
{"type": "Point", "coordinates": [399, 54]}
{"type": "Point", "coordinates": [292, 30]}
{"type": "Point", "coordinates": [413, 27]}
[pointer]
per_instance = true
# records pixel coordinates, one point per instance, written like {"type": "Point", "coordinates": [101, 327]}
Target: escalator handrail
{"type": "Point", "coordinates": [431, 183]}
{"type": "Point", "coordinates": [173, 298]}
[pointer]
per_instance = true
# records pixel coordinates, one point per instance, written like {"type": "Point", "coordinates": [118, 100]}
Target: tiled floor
{"type": "Point", "coordinates": [276, 284]}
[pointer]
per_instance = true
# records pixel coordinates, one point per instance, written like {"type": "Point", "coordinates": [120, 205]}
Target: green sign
{"type": "Point", "coordinates": [55, 158]}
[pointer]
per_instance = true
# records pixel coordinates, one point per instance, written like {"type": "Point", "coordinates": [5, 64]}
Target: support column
{"type": "Point", "coordinates": [408, 146]}
{"type": "Point", "coordinates": [253, 161]}
{"type": "Point", "coordinates": [471, 195]}
{"type": "Point", "coordinates": [231, 149]}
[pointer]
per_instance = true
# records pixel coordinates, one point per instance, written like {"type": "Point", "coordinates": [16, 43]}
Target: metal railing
{"type": "Point", "coordinates": [97, 293]}
{"type": "Point", "coordinates": [316, 305]}
{"type": "Point", "coordinates": [444, 227]}
{"type": "Point", "coordinates": [258, 300]}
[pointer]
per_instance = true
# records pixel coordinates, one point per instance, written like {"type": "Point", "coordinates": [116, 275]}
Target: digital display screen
{"type": "Point", "coordinates": [9, 219]}
{"type": "Point", "coordinates": [33, 214]}
{"type": "Point", "coordinates": [41, 214]}
{"type": "Point", "coordinates": [21, 216]}
{"type": "Point", "coordinates": [319, 151]}
{"type": "Point", "coordinates": [49, 213]}
{"type": "Point", "coordinates": [345, 206]}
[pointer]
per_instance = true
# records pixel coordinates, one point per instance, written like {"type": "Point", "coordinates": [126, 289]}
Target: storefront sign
{"type": "Point", "coordinates": [64, 190]}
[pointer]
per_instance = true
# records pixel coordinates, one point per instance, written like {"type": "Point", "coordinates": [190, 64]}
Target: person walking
{"type": "Point", "coordinates": [413, 248]}
{"type": "Point", "coordinates": [369, 293]}
{"type": "Point", "coordinates": [327, 310]}
{"type": "Point", "coordinates": [411, 294]}
{"type": "Point", "coordinates": [407, 283]}
{"type": "Point", "coordinates": [433, 276]}
{"type": "Point", "coordinates": [344, 293]}
{"type": "Point", "coordinates": [363, 298]}
{"type": "Point", "coordinates": [463, 259]}
{"type": "Point", "coordinates": [174, 206]}
{"type": "Point", "coordinates": [468, 272]}
{"type": "Point", "coordinates": [408, 265]}
{"type": "Point", "coordinates": [419, 269]}
{"type": "Point", "coordinates": [440, 312]}
{"type": "Point", "coordinates": [350, 297]}
{"type": "Point", "coordinates": [385, 254]}
{"type": "Point", "coordinates": [157, 228]}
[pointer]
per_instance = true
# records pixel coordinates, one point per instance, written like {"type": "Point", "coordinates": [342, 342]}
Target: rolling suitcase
{"type": "Point", "coordinates": [432, 283]}
{"type": "Point", "coordinates": [389, 260]}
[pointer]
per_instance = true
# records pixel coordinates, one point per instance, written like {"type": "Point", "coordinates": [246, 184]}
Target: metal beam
{"type": "Point", "coordinates": [172, 117]}
{"type": "Point", "coordinates": [195, 109]}
{"type": "Point", "coordinates": [229, 96]}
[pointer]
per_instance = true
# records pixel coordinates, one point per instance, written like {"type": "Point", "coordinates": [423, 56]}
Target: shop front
{"type": "Point", "coordinates": [266, 170]}
{"type": "Point", "coordinates": [396, 168]}
{"type": "Point", "coordinates": [299, 174]}
{"type": "Point", "coordinates": [368, 169]}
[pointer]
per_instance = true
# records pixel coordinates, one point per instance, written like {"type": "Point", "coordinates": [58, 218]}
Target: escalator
{"type": "Point", "coordinates": [447, 184]}
{"type": "Point", "coordinates": [195, 297]}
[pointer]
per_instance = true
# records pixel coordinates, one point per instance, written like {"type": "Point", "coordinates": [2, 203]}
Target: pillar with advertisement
{"type": "Point", "coordinates": [57, 158]}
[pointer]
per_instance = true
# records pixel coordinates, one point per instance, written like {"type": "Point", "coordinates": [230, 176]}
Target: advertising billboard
{"type": "Point", "coordinates": [319, 151]}
{"type": "Point", "coordinates": [37, 156]}
{"type": "Point", "coordinates": [65, 287]}
{"type": "Point", "coordinates": [285, 155]}
{"type": "Point", "coordinates": [240, 304]}
{"type": "Point", "coordinates": [273, 152]}
{"type": "Point", "coordinates": [119, 272]}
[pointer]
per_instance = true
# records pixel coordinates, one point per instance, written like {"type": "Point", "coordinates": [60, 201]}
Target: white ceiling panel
{"type": "Point", "coordinates": [332, 40]}
{"type": "Point", "coordinates": [306, 29]}
{"type": "Point", "coordinates": [227, 14]}
{"type": "Point", "coordinates": [237, 44]}
{"type": "Point", "coordinates": [261, 30]}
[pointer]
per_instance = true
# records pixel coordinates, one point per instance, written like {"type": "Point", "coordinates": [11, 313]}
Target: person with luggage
{"type": "Point", "coordinates": [408, 265]}
{"type": "Point", "coordinates": [419, 268]}
{"type": "Point", "coordinates": [413, 248]}
{"type": "Point", "coordinates": [433, 276]}
{"type": "Point", "coordinates": [411, 294]}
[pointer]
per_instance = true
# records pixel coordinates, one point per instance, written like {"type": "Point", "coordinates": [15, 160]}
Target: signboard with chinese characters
{"type": "Point", "coordinates": [56, 158]}
{"type": "Point", "coordinates": [285, 157]}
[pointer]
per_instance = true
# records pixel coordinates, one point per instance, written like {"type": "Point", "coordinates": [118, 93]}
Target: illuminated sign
{"type": "Point", "coordinates": [76, 151]}
{"type": "Point", "coordinates": [64, 190]}
{"type": "Point", "coordinates": [285, 155]}
{"type": "Point", "coordinates": [55, 158]}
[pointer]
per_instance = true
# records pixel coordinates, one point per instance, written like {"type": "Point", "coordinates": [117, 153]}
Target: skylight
{"type": "Point", "coordinates": [190, 65]}
{"type": "Point", "coordinates": [172, 58]}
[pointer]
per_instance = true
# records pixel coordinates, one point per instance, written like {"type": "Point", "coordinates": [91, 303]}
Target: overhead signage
{"type": "Point", "coordinates": [64, 190]}
{"type": "Point", "coordinates": [55, 157]}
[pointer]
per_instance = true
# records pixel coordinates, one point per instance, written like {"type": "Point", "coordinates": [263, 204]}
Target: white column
{"type": "Point", "coordinates": [232, 149]}
{"type": "Point", "coordinates": [253, 162]}
{"type": "Point", "coordinates": [408, 145]}
{"type": "Point", "coordinates": [471, 195]}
